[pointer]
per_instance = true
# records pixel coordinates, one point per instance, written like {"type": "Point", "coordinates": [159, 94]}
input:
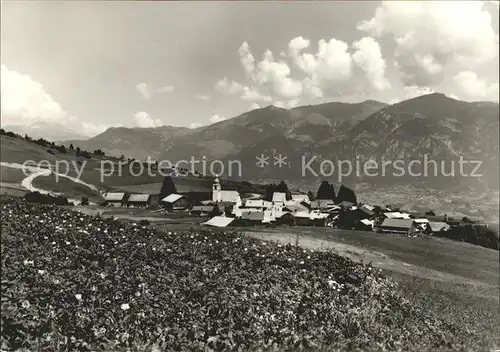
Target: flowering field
{"type": "Point", "coordinates": [76, 282]}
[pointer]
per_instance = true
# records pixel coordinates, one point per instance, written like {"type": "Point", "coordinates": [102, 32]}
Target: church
{"type": "Point", "coordinates": [224, 197]}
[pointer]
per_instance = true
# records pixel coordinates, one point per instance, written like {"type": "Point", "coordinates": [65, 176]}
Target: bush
{"type": "Point", "coordinates": [144, 222]}
{"type": "Point", "coordinates": [85, 201]}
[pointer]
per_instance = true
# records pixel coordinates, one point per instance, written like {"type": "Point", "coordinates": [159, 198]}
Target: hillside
{"type": "Point", "coordinates": [132, 142]}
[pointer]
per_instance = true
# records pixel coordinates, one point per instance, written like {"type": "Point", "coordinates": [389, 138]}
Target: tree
{"type": "Point", "coordinates": [346, 194]}
{"type": "Point", "coordinates": [283, 188]}
{"type": "Point", "coordinates": [168, 187]}
{"type": "Point", "coordinates": [77, 151]}
{"type": "Point", "coordinates": [325, 191]}
{"type": "Point", "coordinates": [270, 189]}
{"type": "Point", "coordinates": [71, 146]}
{"type": "Point", "coordinates": [430, 213]}
{"type": "Point", "coordinates": [215, 211]}
{"type": "Point", "coordinates": [245, 187]}
{"type": "Point", "coordinates": [311, 195]}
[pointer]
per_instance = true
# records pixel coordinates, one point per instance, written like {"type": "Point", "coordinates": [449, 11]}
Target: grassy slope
{"type": "Point", "coordinates": [459, 280]}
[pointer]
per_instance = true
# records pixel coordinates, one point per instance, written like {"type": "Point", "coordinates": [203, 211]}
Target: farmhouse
{"type": "Point", "coordinates": [366, 210]}
{"type": "Point", "coordinates": [175, 202]}
{"type": "Point", "coordinates": [365, 225]}
{"type": "Point", "coordinates": [219, 221]}
{"type": "Point", "coordinates": [404, 226]}
{"type": "Point", "coordinates": [279, 198]}
{"type": "Point", "coordinates": [139, 200]}
{"type": "Point", "coordinates": [201, 210]}
{"type": "Point", "coordinates": [397, 215]}
{"type": "Point", "coordinates": [257, 203]}
{"type": "Point", "coordinates": [194, 189]}
{"type": "Point", "coordinates": [323, 204]}
{"type": "Point", "coordinates": [436, 226]}
{"type": "Point", "coordinates": [299, 198]}
{"type": "Point", "coordinates": [115, 199]}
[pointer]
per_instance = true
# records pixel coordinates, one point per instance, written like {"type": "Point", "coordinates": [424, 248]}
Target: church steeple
{"type": "Point", "coordinates": [216, 190]}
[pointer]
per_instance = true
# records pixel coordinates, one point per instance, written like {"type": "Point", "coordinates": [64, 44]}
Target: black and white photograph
{"type": "Point", "coordinates": [249, 176]}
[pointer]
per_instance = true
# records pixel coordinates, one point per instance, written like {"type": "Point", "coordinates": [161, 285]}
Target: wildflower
{"type": "Point", "coordinates": [28, 262]}
{"type": "Point", "coordinates": [25, 304]}
{"type": "Point", "coordinates": [125, 306]}
{"type": "Point", "coordinates": [41, 272]}
{"type": "Point", "coordinates": [78, 297]}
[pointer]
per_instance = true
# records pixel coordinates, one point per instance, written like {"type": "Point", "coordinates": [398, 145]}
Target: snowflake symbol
{"type": "Point", "coordinates": [262, 160]}
{"type": "Point", "coordinates": [280, 160]}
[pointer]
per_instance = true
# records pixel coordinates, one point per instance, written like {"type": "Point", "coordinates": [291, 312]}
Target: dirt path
{"type": "Point", "coordinates": [36, 172]}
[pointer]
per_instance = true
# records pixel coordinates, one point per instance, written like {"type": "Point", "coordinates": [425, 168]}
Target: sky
{"type": "Point", "coordinates": [91, 65]}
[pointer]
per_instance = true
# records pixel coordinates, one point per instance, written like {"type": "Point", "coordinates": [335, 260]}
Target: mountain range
{"type": "Point", "coordinates": [433, 126]}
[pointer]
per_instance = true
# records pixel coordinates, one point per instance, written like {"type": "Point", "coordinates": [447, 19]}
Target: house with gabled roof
{"type": "Point", "coordinates": [115, 199]}
{"type": "Point", "coordinates": [401, 226]}
{"type": "Point", "coordinates": [139, 200]}
{"type": "Point", "coordinates": [175, 202]}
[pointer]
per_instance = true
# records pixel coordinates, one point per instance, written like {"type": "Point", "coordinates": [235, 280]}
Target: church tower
{"type": "Point", "coordinates": [216, 191]}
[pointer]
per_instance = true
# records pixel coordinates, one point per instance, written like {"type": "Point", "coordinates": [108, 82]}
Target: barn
{"type": "Point", "coordinates": [139, 200]}
{"type": "Point", "coordinates": [175, 202]}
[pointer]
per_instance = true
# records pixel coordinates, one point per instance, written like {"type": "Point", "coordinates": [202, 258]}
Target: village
{"type": "Point", "coordinates": [223, 207]}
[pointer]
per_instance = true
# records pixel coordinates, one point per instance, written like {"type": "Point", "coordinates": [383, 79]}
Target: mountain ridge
{"type": "Point", "coordinates": [434, 125]}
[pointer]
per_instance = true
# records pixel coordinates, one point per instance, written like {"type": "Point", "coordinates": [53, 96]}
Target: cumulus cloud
{"type": "Point", "coordinates": [250, 94]}
{"type": "Point", "coordinates": [144, 120]}
{"type": "Point", "coordinates": [269, 73]}
{"type": "Point", "coordinates": [25, 102]}
{"type": "Point", "coordinates": [143, 90]}
{"type": "Point", "coordinates": [216, 118]}
{"type": "Point", "coordinates": [147, 92]}
{"type": "Point", "coordinates": [246, 93]}
{"type": "Point", "coordinates": [227, 86]}
{"type": "Point", "coordinates": [195, 125]}
{"type": "Point", "coordinates": [254, 106]}
{"type": "Point", "coordinates": [292, 103]}
{"type": "Point", "coordinates": [474, 88]}
{"type": "Point", "coordinates": [369, 58]}
{"type": "Point", "coordinates": [333, 69]}
{"type": "Point", "coordinates": [286, 104]}
{"type": "Point", "coordinates": [166, 89]}
{"type": "Point", "coordinates": [247, 59]}
{"type": "Point", "coordinates": [91, 129]}
{"type": "Point", "coordinates": [203, 97]}
{"type": "Point", "coordinates": [434, 39]}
